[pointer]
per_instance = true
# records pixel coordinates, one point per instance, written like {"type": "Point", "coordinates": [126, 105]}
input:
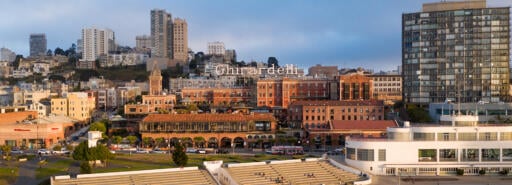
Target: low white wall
{"type": "Point", "coordinates": [225, 178]}
{"type": "Point", "coordinates": [352, 170]}
{"type": "Point", "coordinates": [246, 164]}
{"type": "Point", "coordinates": [313, 159]}
{"type": "Point", "coordinates": [285, 161]}
{"type": "Point", "coordinates": [213, 168]}
{"type": "Point", "coordinates": [135, 172]}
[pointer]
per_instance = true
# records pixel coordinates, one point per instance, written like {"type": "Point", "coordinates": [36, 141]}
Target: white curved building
{"type": "Point", "coordinates": [435, 149]}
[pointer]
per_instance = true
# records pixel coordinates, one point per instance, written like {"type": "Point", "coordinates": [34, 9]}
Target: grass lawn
{"type": "Point", "coordinates": [126, 162]}
{"type": "Point", "coordinates": [8, 175]}
{"type": "Point", "coordinates": [59, 167]}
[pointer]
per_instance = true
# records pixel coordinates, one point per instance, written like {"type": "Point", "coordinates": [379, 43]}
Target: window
{"type": "Point", "coordinates": [447, 155]}
{"type": "Point", "coordinates": [446, 136]}
{"type": "Point", "coordinates": [506, 136]}
{"type": "Point", "coordinates": [469, 155]}
{"type": "Point", "coordinates": [365, 155]}
{"type": "Point", "coordinates": [421, 136]}
{"type": "Point", "coordinates": [382, 154]}
{"type": "Point", "coordinates": [488, 136]}
{"type": "Point", "coordinates": [467, 136]}
{"type": "Point", "coordinates": [427, 155]}
{"type": "Point", "coordinates": [351, 153]}
{"type": "Point", "coordinates": [507, 154]}
{"type": "Point", "coordinates": [491, 154]}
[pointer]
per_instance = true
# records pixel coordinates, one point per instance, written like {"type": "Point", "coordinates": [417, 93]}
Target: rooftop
{"type": "Point", "coordinates": [207, 117]}
{"type": "Point", "coordinates": [339, 103]}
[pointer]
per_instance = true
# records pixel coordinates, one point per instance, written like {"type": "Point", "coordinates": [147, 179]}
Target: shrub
{"type": "Point", "coordinates": [481, 172]}
{"type": "Point", "coordinates": [504, 172]}
{"type": "Point", "coordinates": [460, 172]}
{"type": "Point", "coordinates": [85, 167]}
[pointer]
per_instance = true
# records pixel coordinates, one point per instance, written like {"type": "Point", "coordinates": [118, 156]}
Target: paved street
{"type": "Point", "coordinates": [27, 173]}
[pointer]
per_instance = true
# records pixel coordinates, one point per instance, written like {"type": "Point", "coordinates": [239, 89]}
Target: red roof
{"type": "Point", "coordinates": [362, 124]}
{"type": "Point", "coordinates": [207, 117]}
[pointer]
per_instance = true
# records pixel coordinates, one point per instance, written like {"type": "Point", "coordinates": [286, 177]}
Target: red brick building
{"type": "Point", "coordinates": [334, 136]}
{"type": "Point", "coordinates": [319, 114]}
{"type": "Point", "coordinates": [218, 96]}
{"type": "Point", "coordinates": [355, 86]}
{"type": "Point", "coordinates": [217, 130]}
{"type": "Point", "coordinates": [282, 92]}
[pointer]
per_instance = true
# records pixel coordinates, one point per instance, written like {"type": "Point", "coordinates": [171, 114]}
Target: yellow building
{"type": "Point", "coordinates": [77, 105]}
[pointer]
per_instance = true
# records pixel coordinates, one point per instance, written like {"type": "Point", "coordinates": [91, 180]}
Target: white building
{"type": "Point", "coordinates": [41, 67]}
{"type": "Point", "coordinates": [96, 42]}
{"type": "Point", "coordinates": [216, 48]}
{"type": "Point", "coordinates": [435, 149]}
{"type": "Point", "coordinates": [21, 73]}
{"type": "Point", "coordinates": [7, 55]}
{"type": "Point", "coordinates": [107, 97]}
{"type": "Point", "coordinates": [124, 59]}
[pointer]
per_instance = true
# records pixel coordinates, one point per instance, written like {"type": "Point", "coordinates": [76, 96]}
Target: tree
{"type": "Point", "coordinates": [6, 150]}
{"type": "Point", "coordinates": [272, 61]}
{"type": "Point", "coordinates": [117, 139]}
{"type": "Point", "coordinates": [179, 157]}
{"type": "Point", "coordinates": [17, 61]}
{"type": "Point", "coordinates": [146, 141]}
{"type": "Point", "coordinates": [59, 51]}
{"type": "Point", "coordinates": [49, 52]}
{"type": "Point", "coordinates": [418, 114]}
{"type": "Point", "coordinates": [57, 148]}
{"type": "Point", "coordinates": [82, 152]}
{"type": "Point", "coordinates": [199, 141]}
{"type": "Point", "coordinates": [159, 141]}
{"type": "Point", "coordinates": [85, 167]}
{"type": "Point", "coordinates": [192, 107]}
{"type": "Point", "coordinates": [131, 139]}
{"type": "Point", "coordinates": [98, 126]}
{"type": "Point", "coordinates": [100, 152]}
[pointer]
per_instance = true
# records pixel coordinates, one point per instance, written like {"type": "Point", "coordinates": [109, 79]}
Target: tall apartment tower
{"type": "Point", "coordinates": [456, 50]}
{"type": "Point", "coordinates": [96, 42]}
{"type": "Point", "coordinates": [37, 44]}
{"type": "Point", "coordinates": [180, 40]}
{"type": "Point", "coordinates": [161, 33]}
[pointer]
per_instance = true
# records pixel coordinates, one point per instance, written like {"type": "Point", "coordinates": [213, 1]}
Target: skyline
{"type": "Point", "coordinates": [295, 32]}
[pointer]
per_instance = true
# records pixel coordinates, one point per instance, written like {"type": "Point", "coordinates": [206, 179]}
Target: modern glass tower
{"type": "Point", "coordinates": [456, 51]}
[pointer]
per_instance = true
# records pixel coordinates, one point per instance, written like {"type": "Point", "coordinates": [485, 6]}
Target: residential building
{"type": "Point", "coordinates": [30, 97]}
{"type": "Point", "coordinates": [218, 130]}
{"type": "Point", "coordinates": [143, 43]}
{"type": "Point", "coordinates": [230, 56]}
{"type": "Point", "coordinates": [456, 50]}
{"type": "Point", "coordinates": [177, 84]}
{"type": "Point", "coordinates": [319, 114]}
{"type": "Point", "coordinates": [180, 40]}
{"type": "Point", "coordinates": [37, 44]}
{"type": "Point", "coordinates": [123, 59]}
{"type": "Point", "coordinates": [107, 98]}
{"type": "Point", "coordinates": [86, 64]}
{"type": "Point", "coordinates": [161, 33]}
{"type": "Point", "coordinates": [323, 71]}
{"type": "Point", "coordinates": [97, 42]}
{"type": "Point", "coordinates": [387, 88]}
{"type": "Point", "coordinates": [6, 55]}
{"type": "Point", "coordinates": [42, 68]}
{"type": "Point", "coordinates": [216, 48]}
{"type": "Point", "coordinates": [76, 105]}
{"type": "Point", "coordinates": [486, 112]}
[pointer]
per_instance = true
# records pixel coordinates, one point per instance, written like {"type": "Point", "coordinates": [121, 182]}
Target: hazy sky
{"type": "Point", "coordinates": [345, 33]}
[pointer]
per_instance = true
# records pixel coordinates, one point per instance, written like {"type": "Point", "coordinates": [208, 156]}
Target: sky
{"type": "Point", "coordinates": [343, 33]}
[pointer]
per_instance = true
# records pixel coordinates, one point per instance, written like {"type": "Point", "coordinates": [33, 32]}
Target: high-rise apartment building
{"type": "Point", "coordinates": [37, 44]}
{"type": "Point", "coordinates": [456, 50]}
{"type": "Point", "coordinates": [143, 42]}
{"type": "Point", "coordinates": [169, 38]}
{"type": "Point", "coordinates": [216, 48]}
{"type": "Point", "coordinates": [180, 40]}
{"type": "Point", "coordinates": [96, 42]}
{"type": "Point", "coordinates": [7, 55]}
{"type": "Point", "coordinates": [161, 29]}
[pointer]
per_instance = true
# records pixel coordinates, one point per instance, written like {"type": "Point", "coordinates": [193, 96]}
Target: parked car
{"type": "Point", "coordinates": [43, 151]}
{"type": "Point", "coordinates": [112, 151]}
{"type": "Point", "coordinates": [62, 151]}
{"type": "Point", "coordinates": [201, 151]}
{"type": "Point", "coordinates": [16, 151]}
{"type": "Point", "coordinates": [158, 151]}
{"type": "Point", "coordinates": [142, 151]}
{"type": "Point", "coordinates": [191, 150]}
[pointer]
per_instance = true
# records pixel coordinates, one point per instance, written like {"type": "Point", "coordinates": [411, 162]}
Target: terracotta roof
{"type": "Point", "coordinates": [207, 117]}
{"type": "Point", "coordinates": [362, 124]}
{"type": "Point", "coordinates": [339, 103]}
